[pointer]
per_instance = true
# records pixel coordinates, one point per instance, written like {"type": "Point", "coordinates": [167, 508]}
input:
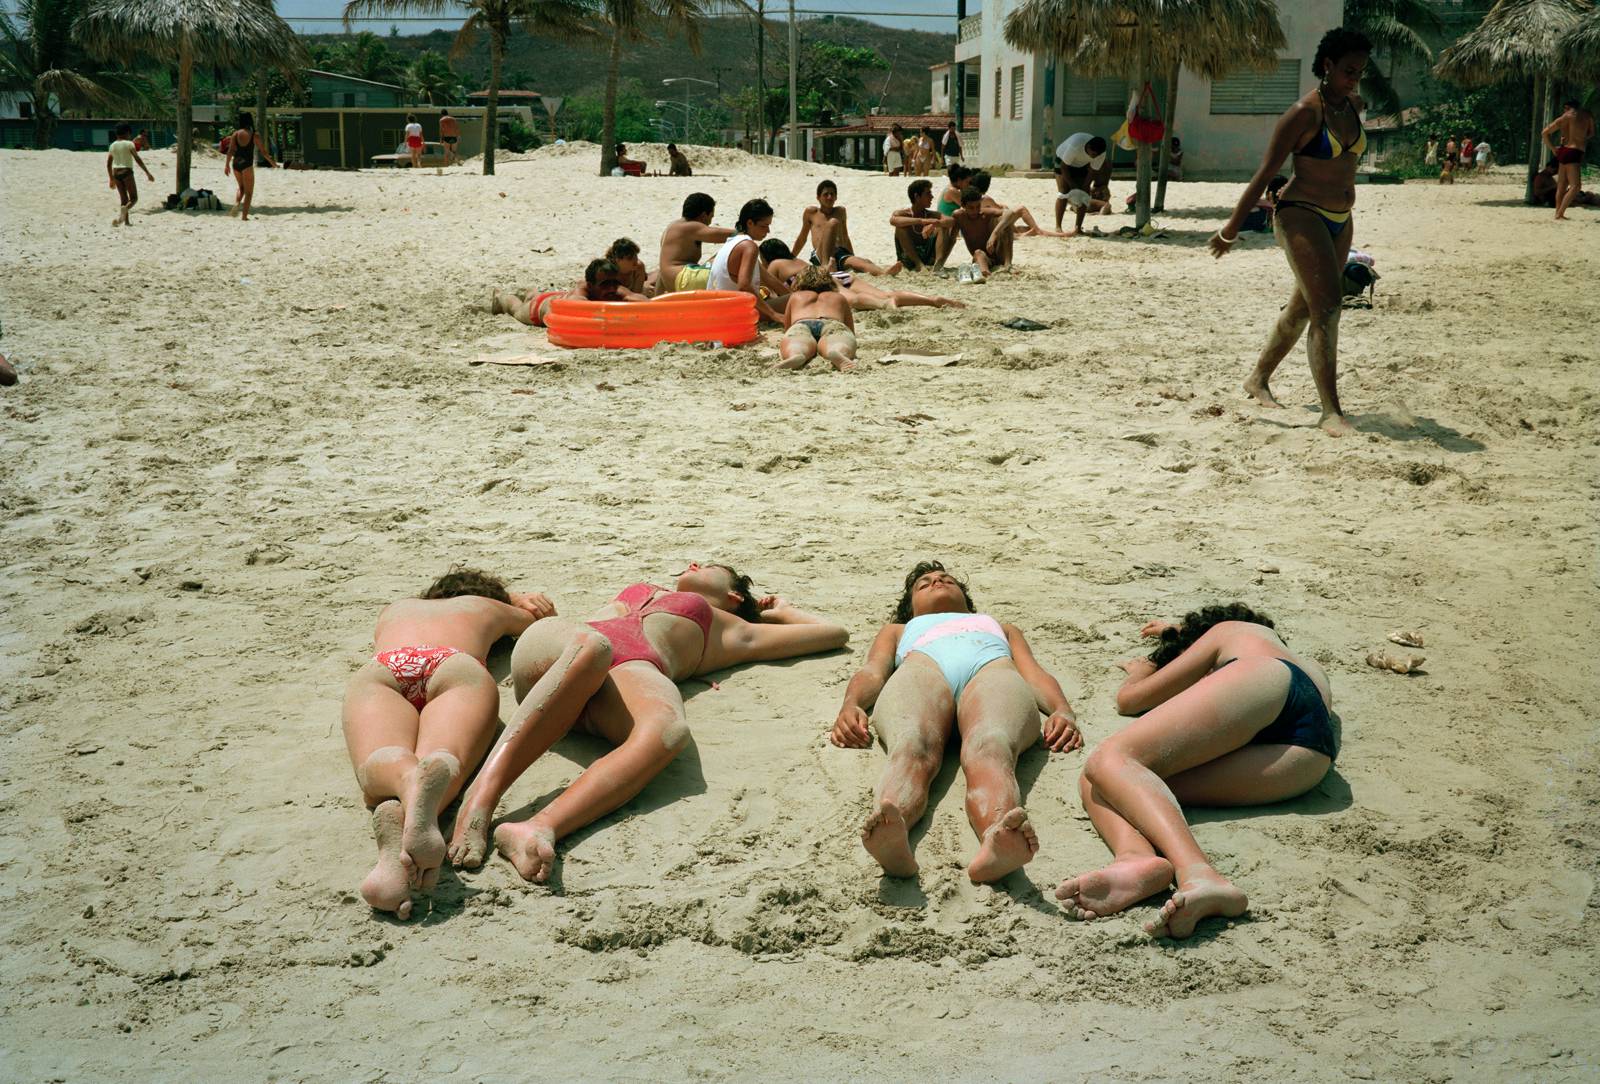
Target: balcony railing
{"type": "Point", "coordinates": [969, 28]}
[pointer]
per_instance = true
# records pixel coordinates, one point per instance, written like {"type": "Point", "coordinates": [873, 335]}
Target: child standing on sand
{"type": "Point", "coordinates": [120, 160]}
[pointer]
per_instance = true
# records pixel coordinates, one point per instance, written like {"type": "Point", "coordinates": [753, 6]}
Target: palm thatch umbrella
{"type": "Point", "coordinates": [232, 32]}
{"type": "Point", "coordinates": [1518, 39]}
{"type": "Point", "coordinates": [1579, 54]}
{"type": "Point", "coordinates": [1141, 37]}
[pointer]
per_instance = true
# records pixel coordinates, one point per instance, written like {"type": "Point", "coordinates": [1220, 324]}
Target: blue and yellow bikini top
{"type": "Point", "coordinates": [1326, 145]}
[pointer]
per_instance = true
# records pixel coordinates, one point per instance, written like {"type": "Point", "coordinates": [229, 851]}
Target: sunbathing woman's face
{"type": "Point", "coordinates": [703, 578]}
{"type": "Point", "coordinates": [937, 592]}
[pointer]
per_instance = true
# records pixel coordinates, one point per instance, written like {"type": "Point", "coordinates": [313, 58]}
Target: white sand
{"type": "Point", "coordinates": [234, 443]}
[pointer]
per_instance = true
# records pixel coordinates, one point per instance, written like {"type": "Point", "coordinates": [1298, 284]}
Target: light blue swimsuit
{"type": "Point", "coordinates": [961, 644]}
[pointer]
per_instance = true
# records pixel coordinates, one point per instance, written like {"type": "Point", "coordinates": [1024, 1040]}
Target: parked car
{"type": "Point", "coordinates": [432, 155]}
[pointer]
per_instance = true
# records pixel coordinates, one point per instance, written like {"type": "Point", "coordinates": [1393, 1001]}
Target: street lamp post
{"type": "Point", "coordinates": [686, 80]}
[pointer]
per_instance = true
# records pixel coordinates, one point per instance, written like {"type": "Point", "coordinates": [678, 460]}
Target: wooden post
{"type": "Point", "coordinates": [1534, 139]}
{"type": "Point", "coordinates": [342, 163]}
{"type": "Point", "coordinates": [1549, 111]}
{"type": "Point", "coordinates": [1142, 154]}
{"type": "Point", "coordinates": [185, 113]}
{"type": "Point", "coordinates": [1173, 74]}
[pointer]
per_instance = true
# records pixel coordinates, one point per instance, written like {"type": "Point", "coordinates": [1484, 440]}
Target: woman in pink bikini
{"type": "Point", "coordinates": [420, 714]}
{"type": "Point", "coordinates": [616, 676]}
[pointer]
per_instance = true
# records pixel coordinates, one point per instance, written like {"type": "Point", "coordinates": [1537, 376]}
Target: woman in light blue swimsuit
{"type": "Point", "coordinates": [937, 665]}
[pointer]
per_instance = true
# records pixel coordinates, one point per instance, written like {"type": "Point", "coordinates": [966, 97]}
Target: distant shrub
{"type": "Point", "coordinates": [516, 136]}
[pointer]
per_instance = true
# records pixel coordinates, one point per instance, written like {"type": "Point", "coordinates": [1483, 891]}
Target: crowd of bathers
{"type": "Point", "coordinates": [1228, 714]}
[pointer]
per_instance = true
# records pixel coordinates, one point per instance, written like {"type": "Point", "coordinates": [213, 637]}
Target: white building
{"type": "Point", "coordinates": [942, 94]}
{"type": "Point", "coordinates": [1029, 102]}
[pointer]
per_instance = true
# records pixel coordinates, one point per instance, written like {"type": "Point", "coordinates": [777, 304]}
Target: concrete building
{"type": "Point", "coordinates": [942, 93]}
{"type": "Point", "coordinates": [1029, 102]}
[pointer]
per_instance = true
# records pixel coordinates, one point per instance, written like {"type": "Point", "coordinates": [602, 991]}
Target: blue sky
{"type": "Point", "coordinates": [320, 10]}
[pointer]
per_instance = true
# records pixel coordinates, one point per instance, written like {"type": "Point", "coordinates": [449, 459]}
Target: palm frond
{"type": "Point", "coordinates": [223, 32]}
{"type": "Point", "coordinates": [1518, 39]}
{"type": "Point", "coordinates": [360, 10]}
{"type": "Point", "coordinates": [1103, 37]}
{"type": "Point", "coordinates": [1579, 51]}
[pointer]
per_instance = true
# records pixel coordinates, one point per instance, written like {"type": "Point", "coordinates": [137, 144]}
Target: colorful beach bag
{"type": "Point", "coordinates": [1146, 125]}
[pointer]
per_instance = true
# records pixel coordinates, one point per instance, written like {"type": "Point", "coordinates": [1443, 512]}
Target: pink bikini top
{"type": "Point", "coordinates": [636, 598]}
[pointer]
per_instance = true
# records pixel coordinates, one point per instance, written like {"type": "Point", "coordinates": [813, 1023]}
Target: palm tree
{"type": "Point", "coordinates": [39, 56]}
{"type": "Point", "coordinates": [1580, 48]}
{"type": "Point", "coordinates": [497, 18]}
{"type": "Point", "coordinates": [1142, 37]}
{"type": "Point", "coordinates": [1398, 28]}
{"type": "Point", "coordinates": [235, 33]}
{"type": "Point", "coordinates": [627, 20]}
{"type": "Point", "coordinates": [432, 79]}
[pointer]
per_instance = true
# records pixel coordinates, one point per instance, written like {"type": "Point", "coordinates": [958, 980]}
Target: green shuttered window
{"type": "Point", "coordinates": [1258, 92]}
{"type": "Point", "coordinates": [1086, 97]}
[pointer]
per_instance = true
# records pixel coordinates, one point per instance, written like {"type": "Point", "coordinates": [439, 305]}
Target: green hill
{"type": "Point", "coordinates": [727, 57]}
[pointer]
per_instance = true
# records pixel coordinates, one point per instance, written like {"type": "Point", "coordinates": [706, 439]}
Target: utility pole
{"type": "Point", "coordinates": [794, 106]}
{"type": "Point", "coordinates": [761, 75]}
{"type": "Point", "coordinates": [961, 73]}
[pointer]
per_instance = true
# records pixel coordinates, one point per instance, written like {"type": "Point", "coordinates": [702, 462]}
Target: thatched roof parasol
{"type": "Point", "coordinates": [1101, 37]}
{"type": "Point", "coordinates": [235, 33]}
{"type": "Point", "coordinates": [1579, 52]}
{"type": "Point", "coordinates": [1518, 39]}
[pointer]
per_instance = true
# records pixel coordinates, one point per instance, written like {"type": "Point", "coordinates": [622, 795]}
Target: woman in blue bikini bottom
{"type": "Point", "coordinates": [939, 666]}
{"type": "Point", "coordinates": [1229, 716]}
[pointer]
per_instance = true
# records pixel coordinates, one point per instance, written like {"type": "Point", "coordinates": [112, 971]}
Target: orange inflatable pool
{"type": "Point", "coordinates": [723, 316]}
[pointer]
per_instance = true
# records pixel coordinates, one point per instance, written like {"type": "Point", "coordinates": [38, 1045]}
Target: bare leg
{"type": "Point", "coordinates": [455, 728]}
{"type": "Point", "coordinates": [905, 244]}
{"type": "Point", "coordinates": [840, 352]}
{"type": "Point", "coordinates": [796, 353]}
{"type": "Point", "coordinates": [387, 887]}
{"type": "Point", "coordinates": [998, 718]}
{"type": "Point", "coordinates": [864, 266]}
{"type": "Point", "coordinates": [1285, 333]}
{"type": "Point", "coordinates": [641, 711]}
{"type": "Point", "coordinates": [947, 243]}
{"type": "Point", "coordinates": [981, 258]}
{"type": "Point", "coordinates": [1318, 264]}
{"type": "Point", "coordinates": [1136, 872]}
{"type": "Point", "coordinates": [557, 666]}
{"type": "Point", "coordinates": [380, 731]}
{"type": "Point", "coordinates": [913, 715]}
{"type": "Point", "coordinates": [1033, 226]}
{"type": "Point", "coordinates": [1214, 717]}
{"type": "Point", "coordinates": [1573, 175]}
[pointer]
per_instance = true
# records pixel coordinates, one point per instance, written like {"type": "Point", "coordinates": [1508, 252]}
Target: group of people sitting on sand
{"type": "Point", "coordinates": [1229, 715]}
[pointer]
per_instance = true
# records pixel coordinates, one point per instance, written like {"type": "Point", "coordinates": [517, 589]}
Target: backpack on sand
{"type": "Point", "coordinates": [1359, 284]}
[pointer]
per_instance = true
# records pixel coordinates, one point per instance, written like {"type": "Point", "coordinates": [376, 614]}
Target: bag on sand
{"type": "Point", "coordinates": [1359, 279]}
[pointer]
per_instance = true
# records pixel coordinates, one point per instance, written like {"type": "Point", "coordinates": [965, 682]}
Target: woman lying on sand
{"type": "Point", "coordinates": [616, 677]}
{"type": "Point", "coordinates": [420, 715]}
{"type": "Point", "coordinates": [939, 664]}
{"type": "Point", "coordinates": [602, 281]}
{"type": "Point", "coordinates": [1231, 717]}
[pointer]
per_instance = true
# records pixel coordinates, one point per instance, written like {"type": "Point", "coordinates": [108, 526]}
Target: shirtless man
{"type": "Point", "coordinates": [783, 271]}
{"type": "Point", "coordinates": [988, 230]}
{"type": "Point", "coordinates": [1576, 126]}
{"type": "Point", "coordinates": [817, 321]}
{"type": "Point", "coordinates": [981, 181]}
{"type": "Point", "coordinates": [679, 267]}
{"type": "Point", "coordinates": [829, 229]}
{"type": "Point", "coordinates": [624, 252]}
{"type": "Point", "coordinates": [449, 135]}
{"type": "Point", "coordinates": [602, 281]}
{"type": "Point", "coordinates": [922, 236]}
{"type": "Point", "coordinates": [1544, 188]}
{"type": "Point", "coordinates": [420, 715]}
{"type": "Point", "coordinates": [8, 374]}
{"type": "Point", "coordinates": [680, 163]}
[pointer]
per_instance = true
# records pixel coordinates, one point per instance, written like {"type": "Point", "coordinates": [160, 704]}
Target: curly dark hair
{"type": "Point", "coordinates": [742, 586]}
{"type": "Point", "coordinates": [1175, 642]}
{"type": "Point", "coordinates": [1338, 42]}
{"type": "Point", "coordinates": [902, 609]}
{"type": "Point", "coordinates": [461, 580]}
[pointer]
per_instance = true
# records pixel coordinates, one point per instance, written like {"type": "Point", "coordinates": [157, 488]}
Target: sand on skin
{"type": "Point", "coordinates": [233, 443]}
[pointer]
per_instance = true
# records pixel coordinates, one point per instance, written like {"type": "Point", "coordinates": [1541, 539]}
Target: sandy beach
{"type": "Point", "coordinates": [233, 443]}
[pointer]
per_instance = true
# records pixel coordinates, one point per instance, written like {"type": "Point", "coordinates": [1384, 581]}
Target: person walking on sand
{"type": "Point", "coordinates": [828, 227]}
{"type": "Point", "coordinates": [950, 145]}
{"type": "Point", "coordinates": [414, 140]}
{"type": "Point", "coordinates": [420, 715]}
{"type": "Point", "coordinates": [1313, 222]}
{"type": "Point", "coordinates": [122, 156]}
{"type": "Point", "coordinates": [817, 323]}
{"type": "Point", "coordinates": [449, 136]}
{"type": "Point", "coordinates": [616, 676]}
{"type": "Point", "coordinates": [940, 666]}
{"type": "Point", "coordinates": [923, 237]}
{"type": "Point", "coordinates": [679, 266]}
{"type": "Point", "coordinates": [1228, 716]}
{"type": "Point", "coordinates": [1576, 126]}
{"type": "Point", "coordinates": [241, 160]}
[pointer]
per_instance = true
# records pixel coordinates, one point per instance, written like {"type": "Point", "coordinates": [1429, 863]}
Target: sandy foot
{"type": "Point", "coordinates": [1009, 844]}
{"type": "Point", "coordinates": [894, 268]}
{"type": "Point", "coordinates": [387, 887]}
{"type": "Point", "coordinates": [1335, 425]}
{"type": "Point", "coordinates": [469, 844]}
{"type": "Point", "coordinates": [530, 847]}
{"type": "Point", "coordinates": [1118, 886]}
{"type": "Point", "coordinates": [1258, 390]}
{"type": "Point", "coordinates": [422, 842]}
{"type": "Point", "coordinates": [1199, 899]}
{"type": "Point", "coordinates": [885, 836]}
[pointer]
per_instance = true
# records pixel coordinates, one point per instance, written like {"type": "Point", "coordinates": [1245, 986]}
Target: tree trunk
{"type": "Point", "coordinates": [1549, 111]}
{"type": "Point", "coordinates": [44, 121]}
{"type": "Point", "coordinates": [263, 128]}
{"type": "Point", "coordinates": [1534, 139]}
{"type": "Point", "coordinates": [1166, 139]}
{"type": "Point", "coordinates": [491, 112]}
{"type": "Point", "coordinates": [761, 76]}
{"type": "Point", "coordinates": [608, 117]}
{"type": "Point", "coordinates": [1142, 154]}
{"type": "Point", "coordinates": [185, 113]}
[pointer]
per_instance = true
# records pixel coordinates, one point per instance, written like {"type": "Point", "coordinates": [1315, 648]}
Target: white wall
{"type": "Point", "coordinates": [1005, 141]}
{"type": "Point", "coordinates": [942, 87]}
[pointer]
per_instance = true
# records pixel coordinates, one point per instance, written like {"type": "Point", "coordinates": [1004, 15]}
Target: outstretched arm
{"type": "Point", "coordinates": [850, 729]}
{"type": "Point", "coordinates": [142, 166]}
{"type": "Point", "coordinates": [783, 632]}
{"type": "Point", "coordinates": [1291, 127]}
{"type": "Point", "coordinates": [523, 610]}
{"type": "Point", "coordinates": [1146, 687]}
{"type": "Point", "coordinates": [713, 234]}
{"type": "Point", "coordinates": [1061, 724]}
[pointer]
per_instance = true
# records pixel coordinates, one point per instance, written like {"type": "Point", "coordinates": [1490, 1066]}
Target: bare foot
{"type": "Point", "coordinates": [949, 303]}
{"type": "Point", "coordinates": [843, 365]}
{"type": "Point", "coordinates": [422, 842]}
{"type": "Point", "coordinates": [1116, 887]}
{"type": "Point", "coordinates": [886, 838]}
{"type": "Point", "coordinates": [894, 268]}
{"type": "Point", "coordinates": [386, 887]}
{"type": "Point", "coordinates": [8, 375]}
{"type": "Point", "coordinates": [1009, 844]}
{"type": "Point", "coordinates": [531, 847]}
{"type": "Point", "coordinates": [1335, 425]}
{"type": "Point", "coordinates": [1257, 389]}
{"type": "Point", "coordinates": [1194, 900]}
{"type": "Point", "coordinates": [496, 307]}
{"type": "Point", "coordinates": [469, 843]}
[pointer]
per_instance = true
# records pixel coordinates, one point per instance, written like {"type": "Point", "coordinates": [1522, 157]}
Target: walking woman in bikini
{"type": "Point", "coordinates": [241, 162]}
{"type": "Point", "coordinates": [1313, 223]}
{"type": "Point", "coordinates": [616, 676]}
{"type": "Point", "coordinates": [939, 667]}
{"type": "Point", "coordinates": [1228, 716]}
